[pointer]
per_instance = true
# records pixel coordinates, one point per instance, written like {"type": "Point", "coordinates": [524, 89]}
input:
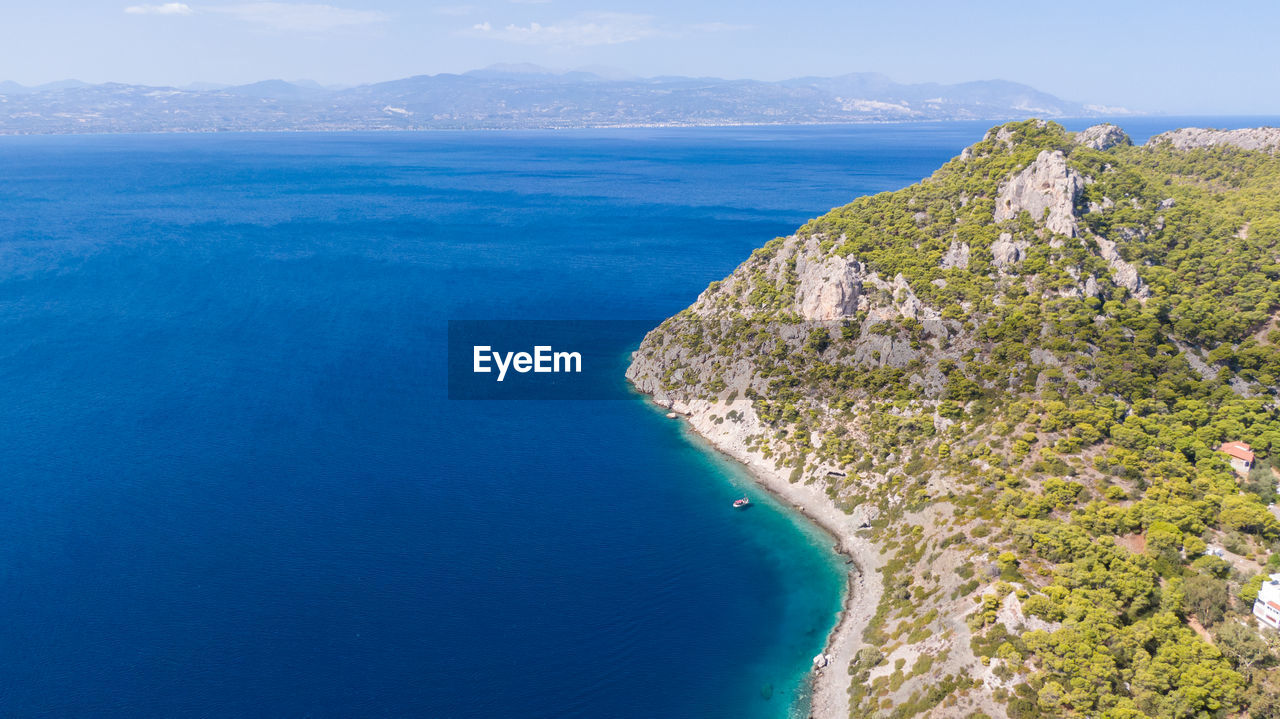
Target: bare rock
{"type": "Point", "coordinates": [827, 289]}
{"type": "Point", "coordinates": [1102, 137]}
{"type": "Point", "coordinates": [1001, 134]}
{"type": "Point", "coordinates": [1103, 206]}
{"type": "Point", "coordinates": [957, 256]}
{"type": "Point", "coordinates": [1124, 273]}
{"type": "Point", "coordinates": [1091, 287]}
{"type": "Point", "coordinates": [1045, 357]}
{"type": "Point", "coordinates": [905, 297]}
{"type": "Point", "coordinates": [1004, 135]}
{"type": "Point", "coordinates": [1005, 251]}
{"type": "Point", "coordinates": [1046, 184]}
{"type": "Point", "coordinates": [881, 351]}
{"type": "Point", "coordinates": [1256, 138]}
{"type": "Point", "coordinates": [1010, 614]}
{"type": "Point", "coordinates": [911, 307]}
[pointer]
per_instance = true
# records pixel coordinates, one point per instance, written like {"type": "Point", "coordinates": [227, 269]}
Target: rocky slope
{"type": "Point", "coordinates": [1187, 138]}
{"type": "Point", "coordinates": [992, 383]}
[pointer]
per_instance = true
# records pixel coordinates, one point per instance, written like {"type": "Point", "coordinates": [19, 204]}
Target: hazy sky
{"type": "Point", "coordinates": [1159, 56]}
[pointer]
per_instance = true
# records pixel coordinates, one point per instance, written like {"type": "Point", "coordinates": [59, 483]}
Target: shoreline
{"type": "Point", "coordinates": [570, 128]}
{"type": "Point", "coordinates": [830, 682]}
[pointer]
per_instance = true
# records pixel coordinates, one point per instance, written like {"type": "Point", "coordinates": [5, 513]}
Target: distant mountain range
{"type": "Point", "coordinates": [515, 97]}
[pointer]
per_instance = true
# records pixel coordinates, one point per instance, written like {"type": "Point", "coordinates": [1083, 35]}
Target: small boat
{"type": "Point", "coordinates": [741, 503]}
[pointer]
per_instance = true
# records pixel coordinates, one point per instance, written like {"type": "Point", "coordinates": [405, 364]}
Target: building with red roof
{"type": "Point", "coordinates": [1240, 454]}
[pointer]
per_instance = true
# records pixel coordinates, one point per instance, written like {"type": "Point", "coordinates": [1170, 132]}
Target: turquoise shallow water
{"type": "Point", "coordinates": [233, 483]}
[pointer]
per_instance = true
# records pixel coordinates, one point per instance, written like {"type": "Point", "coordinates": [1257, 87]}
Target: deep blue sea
{"type": "Point", "coordinates": [232, 482]}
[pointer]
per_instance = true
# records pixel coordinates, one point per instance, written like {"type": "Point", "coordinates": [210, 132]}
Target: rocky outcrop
{"type": "Point", "coordinates": [1003, 135]}
{"type": "Point", "coordinates": [827, 289]}
{"type": "Point", "coordinates": [909, 306]}
{"type": "Point", "coordinates": [1006, 251]}
{"type": "Point", "coordinates": [1256, 138]}
{"type": "Point", "coordinates": [957, 256]}
{"type": "Point", "coordinates": [1017, 621]}
{"type": "Point", "coordinates": [1124, 273]}
{"type": "Point", "coordinates": [1102, 137]}
{"type": "Point", "coordinates": [1103, 206]}
{"type": "Point", "coordinates": [1091, 287]}
{"type": "Point", "coordinates": [1047, 184]}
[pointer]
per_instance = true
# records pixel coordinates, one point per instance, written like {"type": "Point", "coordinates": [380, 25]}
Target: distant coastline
{"type": "Point", "coordinates": [521, 98]}
{"type": "Point", "coordinates": [546, 129]}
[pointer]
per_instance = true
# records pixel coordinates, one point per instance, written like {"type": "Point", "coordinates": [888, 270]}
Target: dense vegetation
{"type": "Point", "coordinates": [1061, 441]}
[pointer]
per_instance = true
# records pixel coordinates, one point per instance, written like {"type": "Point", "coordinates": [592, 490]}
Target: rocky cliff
{"type": "Point", "coordinates": [1187, 138]}
{"type": "Point", "coordinates": [988, 382]}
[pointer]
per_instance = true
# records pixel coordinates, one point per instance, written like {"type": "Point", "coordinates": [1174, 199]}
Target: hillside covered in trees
{"type": "Point", "coordinates": [1015, 377]}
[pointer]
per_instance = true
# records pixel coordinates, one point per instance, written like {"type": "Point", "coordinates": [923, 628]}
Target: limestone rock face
{"type": "Point", "coordinates": [1010, 614]}
{"type": "Point", "coordinates": [1255, 138]}
{"type": "Point", "coordinates": [1046, 184]}
{"type": "Point", "coordinates": [1091, 287]}
{"type": "Point", "coordinates": [1103, 206]}
{"type": "Point", "coordinates": [1004, 135]}
{"type": "Point", "coordinates": [879, 351]}
{"type": "Point", "coordinates": [1005, 251]}
{"type": "Point", "coordinates": [957, 256]}
{"type": "Point", "coordinates": [908, 304]}
{"type": "Point", "coordinates": [1001, 134]}
{"type": "Point", "coordinates": [911, 307]}
{"type": "Point", "coordinates": [1102, 137]}
{"type": "Point", "coordinates": [1124, 273]}
{"type": "Point", "coordinates": [828, 289]}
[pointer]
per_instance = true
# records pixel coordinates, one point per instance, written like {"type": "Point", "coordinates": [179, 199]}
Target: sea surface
{"type": "Point", "coordinates": [232, 483]}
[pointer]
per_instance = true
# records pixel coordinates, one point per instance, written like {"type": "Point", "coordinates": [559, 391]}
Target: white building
{"type": "Point", "coordinates": [1267, 606]}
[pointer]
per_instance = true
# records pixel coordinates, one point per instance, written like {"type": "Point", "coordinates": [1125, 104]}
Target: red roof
{"type": "Point", "coordinates": [1239, 450]}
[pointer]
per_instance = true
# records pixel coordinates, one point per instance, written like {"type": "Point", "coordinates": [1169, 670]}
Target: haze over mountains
{"type": "Point", "coordinates": [515, 97]}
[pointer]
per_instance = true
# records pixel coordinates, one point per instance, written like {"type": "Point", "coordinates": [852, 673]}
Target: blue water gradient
{"type": "Point", "coordinates": [232, 484]}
